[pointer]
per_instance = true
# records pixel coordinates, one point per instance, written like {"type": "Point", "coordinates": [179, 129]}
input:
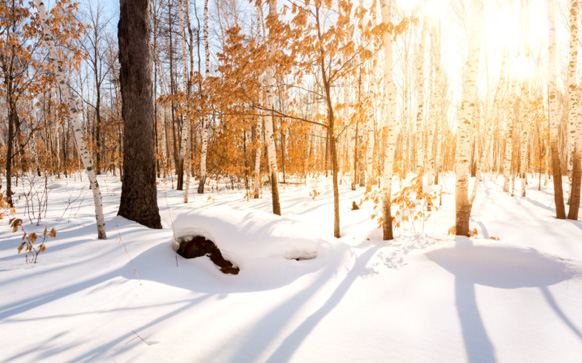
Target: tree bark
{"type": "Point", "coordinates": [390, 124]}
{"type": "Point", "coordinates": [271, 150]}
{"type": "Point", "coordinates": [468, 100]}
{"type": "Point", "coordinates": [420, 99]}
{"type": "Point", "coordinates": [72, 116]}
{"type": "Point", "coordinates": [554, 118]}
{"type": "Point", "coordinates": [138, 191]}
{"type": "Point", "coordinates": [184, 143]}
{"type": "Point", "coordinates": [205, 119]}
{"type": "Point", "coordinates": [523, 112]}
{"type": "Point", "coordinates": [572, 89]}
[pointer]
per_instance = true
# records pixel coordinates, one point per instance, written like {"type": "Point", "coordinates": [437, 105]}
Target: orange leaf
{"type": "Point", "coordinates": [32, 237]}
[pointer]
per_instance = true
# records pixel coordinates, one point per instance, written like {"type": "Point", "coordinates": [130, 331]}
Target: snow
{"type": "Point", "coordinates": [423, 297]}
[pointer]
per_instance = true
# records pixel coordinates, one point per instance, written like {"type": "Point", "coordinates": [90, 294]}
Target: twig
{"type": "Point", "coordinates": [128, 256]}
{"type": "Point", "coordinates": [137, 335]}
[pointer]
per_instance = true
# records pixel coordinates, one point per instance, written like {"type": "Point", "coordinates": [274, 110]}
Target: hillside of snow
{"type": "Point", "coordinates": [513, 293]}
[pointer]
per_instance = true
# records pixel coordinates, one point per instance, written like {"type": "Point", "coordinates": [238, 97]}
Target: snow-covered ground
{"type": "Point", "coordinates": [423, 297]}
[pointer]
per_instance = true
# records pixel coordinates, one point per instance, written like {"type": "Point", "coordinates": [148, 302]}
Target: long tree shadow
{"type": "Point", "coordinates": [259, 338]}
{"type": "Point", "coordinates": [477, 343]}
{"type": "Point", "coordinates": [552, 302]}
{"type": "Point", "coordinates": [285, 351]}
{"type": "Point", "coordinates": [499, 267]}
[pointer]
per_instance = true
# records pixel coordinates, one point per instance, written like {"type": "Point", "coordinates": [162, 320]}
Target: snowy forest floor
{"type": "Point", "coordinates": [423, 297]}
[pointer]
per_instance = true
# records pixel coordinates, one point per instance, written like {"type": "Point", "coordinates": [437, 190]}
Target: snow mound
{"type": "Point", "coordinates": [502, 266]}
{"type": "Point", "coordinates": [257, 242]}
{"type": "Point", "coordinates": [53, 186]}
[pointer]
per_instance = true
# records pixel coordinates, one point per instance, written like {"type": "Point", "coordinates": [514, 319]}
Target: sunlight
{"type": "Point", "coordinates": [513, 28]}
{"type": "Point", "coordinates": [522, 68]}
{"type": "Point", "coordinates": [407, 7]}
{"type": "Point", "coordinates": [435, 11]}
{"type": "Point", "coordinates": [503, 30]}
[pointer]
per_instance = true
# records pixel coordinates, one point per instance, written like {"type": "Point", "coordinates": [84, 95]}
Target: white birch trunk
{"type": "Point", "coordinates": [554, 116]}
{"type": "Point", "coordinates": [271, 151]}
{"type": "Point", "coordinates": [72, 116]}
{"type": "Point", "coordinates": [572, 86]}
{"type": "Point", "coordinates": [259, 124]}
{"type": "Point", "coordinates": [468, 100]}
{"type": "Point", "coordinates": [205, 119]}
{"type": "Point", "coordinates": [390, 123]}
{"type": "Point", "coordinates": [575, 126]}
{"type": "Point", "coordinates": [420, 154]}
{"type": "Point", "coordinates": [184, 142]}
{"type": "Point", "coordinates": [433, 111]}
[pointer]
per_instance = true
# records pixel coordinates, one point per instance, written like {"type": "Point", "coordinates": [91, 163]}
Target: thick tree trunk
{"type": "Point", "coordinates": [572, 94]}
{"type": "Point", "coordinates": [84, 154]}
{"type": "Point", "coordinates": [468, 100]}
{"type": "Point", "coordinates": [555, 118]}
{"type": "Point", "coordinates": [390, 124]}
{"type": "Point", "coordinates": [572, 89]}
{"type": "Point", "coordinates": [138, 191]}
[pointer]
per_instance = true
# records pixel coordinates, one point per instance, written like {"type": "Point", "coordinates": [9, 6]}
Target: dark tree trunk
{"type": "Point", "coordinates": [282, 144]}
{"type": "Point", "coordinates": [176, 125]}
{"type": "Point", "coordinates": [557, 175]}
{"type": "Point", "coordinates": [98, 138]}
{"type": "Point", "coordinates": [9, 147]}
{"type": "Point", "coordinates": [356, 146]}
{"type": "Point", "coordinates": [138, 191]}
{"type": "Point", "coordinates": [575, 193]}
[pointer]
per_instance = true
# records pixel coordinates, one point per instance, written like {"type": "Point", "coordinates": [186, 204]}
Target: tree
{"type": "Point", "coordinates": [94, 43]}
{"type": "Point", "coordinates": [21, 82]}
{"type": "Point", "coordinates": [205, 120]}
{"type": "Point", "coordinates": [269, 98]}
{"type": "Point", "coordinates": [390, 124]}
{"type": "Point", "coordinates": [60, 72]}
{"type": "Point", "coordinates": [186, 123]}
{"type": "Point", "coordinates": [468, 101]}
{"type": "Point", "coordinates": [554, 117]}
{"type": "Point", "coordinates": [573, 117]}
{"type": "Point", "coordinates": [138, 191]}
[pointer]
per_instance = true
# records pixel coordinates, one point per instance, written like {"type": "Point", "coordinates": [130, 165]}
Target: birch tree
{"type": "Point", "coordinates": [572, 85]}
{"type": "Point", "coordinates": [554, 116]}
{"type": "Point", "coordinates": [390, 123]}
{"type": "Point", "coordinates": [420, 152]}
{"type": "Point", "coordinates": [468, 100]}
{"type": "Point", "coordinates": [205, 119]}
{"type": "Point", "coordinates": [259, 123]}
{"type": "Point", "coordinates": [269, 98]}
{"type": "Point", "coordinates": [574, 119]}
{"type": "Point", "coordinates": [72, 117]}
{"type": "Point", "coordinates": [523, 120]}
{"type": "Point", "coordinates": [185, 142]}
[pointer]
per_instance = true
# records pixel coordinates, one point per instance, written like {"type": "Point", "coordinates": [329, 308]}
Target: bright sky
{"type": "Point", "coordinates": [518, 28]}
